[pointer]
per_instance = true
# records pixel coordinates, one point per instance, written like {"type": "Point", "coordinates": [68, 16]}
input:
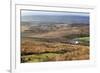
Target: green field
{"type": "Point", "coordinates": [84, 40]}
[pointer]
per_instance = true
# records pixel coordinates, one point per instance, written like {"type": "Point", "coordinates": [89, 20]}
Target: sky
{"type": "Point", "coordinates": [30, 12]}
{"type": "Point", "coordinates": [54, 17]}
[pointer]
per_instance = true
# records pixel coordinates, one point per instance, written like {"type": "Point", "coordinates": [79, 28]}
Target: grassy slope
{"type": "Point", "coordinates": [49, 47]}
{"type": "Point", "coordinates": [36, 51]}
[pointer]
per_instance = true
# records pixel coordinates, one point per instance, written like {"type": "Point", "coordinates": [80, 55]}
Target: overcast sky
{"type": "Point", "coordinates": [30, 12]}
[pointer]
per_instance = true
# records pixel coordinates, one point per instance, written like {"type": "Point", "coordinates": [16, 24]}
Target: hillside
{"type": "Point", "coordinates": [54, 42]}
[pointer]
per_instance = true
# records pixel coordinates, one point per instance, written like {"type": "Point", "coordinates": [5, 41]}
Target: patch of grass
{"type": "Point", "coordinates": [84, 40]}
{"type": "Point", "coordinates": [39, 57]}
{"type": "Point", "coordinates": [76, 36]}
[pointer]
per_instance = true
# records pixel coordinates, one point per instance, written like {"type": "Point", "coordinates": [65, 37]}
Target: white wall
{"type": "Point", "coordinates": [5, 34]}
{"type": "Point", "coordinates": [89, 2]}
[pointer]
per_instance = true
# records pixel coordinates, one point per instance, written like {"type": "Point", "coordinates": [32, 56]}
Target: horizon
{"type": "Point", "coordinates": [57, 17]}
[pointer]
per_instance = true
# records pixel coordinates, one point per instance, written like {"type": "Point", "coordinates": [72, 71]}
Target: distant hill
{"type": "Point", "coordinates": [29, 29]}
{"type": "Point", "coordinates": [78, 24]}
{"type": "Point", "coordinates": [58, 19]}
